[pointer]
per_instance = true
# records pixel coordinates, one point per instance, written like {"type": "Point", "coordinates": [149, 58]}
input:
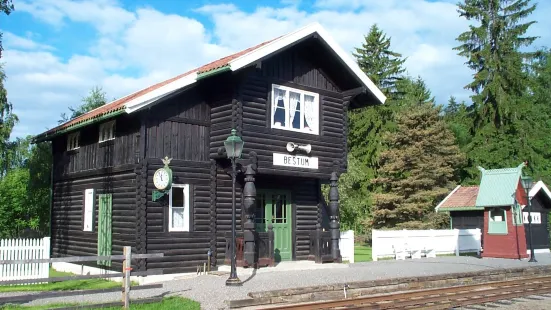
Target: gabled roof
{"type": "Point", "coordinates": [498, 186]}
{"type": "Point", "coordinates": [151, 94]}
{"type": "Point", "coordinates": [540, 186]}
{"type": "Point", "coordinates": [462, 198]}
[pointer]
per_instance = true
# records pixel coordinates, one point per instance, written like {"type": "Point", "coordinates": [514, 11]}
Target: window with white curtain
{"type": "Point", "coordinates": [295, 109]}
{"type": "Point", "coordinates": [178, 216]}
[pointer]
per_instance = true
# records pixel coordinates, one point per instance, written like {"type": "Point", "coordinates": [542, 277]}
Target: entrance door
{"type": "Point", "coordinates": [274, 206]}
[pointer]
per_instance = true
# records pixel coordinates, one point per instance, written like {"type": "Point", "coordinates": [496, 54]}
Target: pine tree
{"type": "Point", "coordinates": [493, 52]}
{"type": "Point", "coordinates": [417, 171]}
{"type": "Point", "coordinates": [383, 66]}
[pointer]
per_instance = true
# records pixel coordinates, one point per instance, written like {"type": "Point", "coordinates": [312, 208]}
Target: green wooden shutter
{"type": "Point", "coordinates": [104, 228]}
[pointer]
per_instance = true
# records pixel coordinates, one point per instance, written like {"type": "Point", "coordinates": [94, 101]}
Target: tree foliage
{"type": "Point", "coordinates": [383, 66]}
{"type": "Point", "coordinates": [492, 49]}
{"type": "Point", "coordinates": [418, 169]}
{"type": "Point", "coordinates": [7, 122]}
{"type": "Point", "coordinates": [6, 6]}
{"type": "Point", "coordinates": [94, 100]}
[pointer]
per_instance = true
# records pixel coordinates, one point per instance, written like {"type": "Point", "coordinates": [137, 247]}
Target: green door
{"type": "Point", "coordinates": [104, 228]}
{"type": "Point", "coordinates": [275, 207]}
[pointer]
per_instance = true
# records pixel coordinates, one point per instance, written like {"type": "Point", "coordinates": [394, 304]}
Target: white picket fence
{"type": "Point", "coordinates": [400, 244]}
{"type": "Point", "coordinates": [17, 249]}
{"type": "Point", "coordinates": [346, 246]}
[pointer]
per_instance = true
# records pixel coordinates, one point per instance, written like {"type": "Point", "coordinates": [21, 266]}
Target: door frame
{"type": "Point", "coordinates": [291, 214]}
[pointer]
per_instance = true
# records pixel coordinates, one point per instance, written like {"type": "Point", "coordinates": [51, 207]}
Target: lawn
{"type": "Point", "coordinates": [62, 286]}
{"type": "Point", "coordinates": [362, 253]}
{"type": "Point", "coordinates": [170, 303]}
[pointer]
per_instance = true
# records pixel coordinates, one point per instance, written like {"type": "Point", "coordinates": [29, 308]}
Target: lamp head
{"type": "Point", "coordinates": [233, 145]}
{"type": "Point", "coordinates": [526, 183]}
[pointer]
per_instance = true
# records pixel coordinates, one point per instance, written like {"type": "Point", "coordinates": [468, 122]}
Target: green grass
{"type": "Point", "coordinates": [62, 286]}
{"type": "Point", "coordinates": [170, 303]}
{"type": "Point", "coordinates": [362, 253]}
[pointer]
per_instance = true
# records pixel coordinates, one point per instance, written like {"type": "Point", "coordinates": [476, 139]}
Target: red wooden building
{"type": "Point", "coordinates": [495, 206]}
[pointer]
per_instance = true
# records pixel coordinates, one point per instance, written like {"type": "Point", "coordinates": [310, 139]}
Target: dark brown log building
{"type": "Point", "coordinates": [288, 99]}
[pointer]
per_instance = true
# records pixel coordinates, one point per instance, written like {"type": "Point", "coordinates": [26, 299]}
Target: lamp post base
{"type": "Point", "coordinates": [233, 282]}
{"type": "Point", "coordinates": [532, 259]}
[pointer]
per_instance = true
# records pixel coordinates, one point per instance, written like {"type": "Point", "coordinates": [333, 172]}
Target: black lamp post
{"type": "Point", "coordinates": [234, 146]}
{"type": "Point", "coordinates": [527, 184]}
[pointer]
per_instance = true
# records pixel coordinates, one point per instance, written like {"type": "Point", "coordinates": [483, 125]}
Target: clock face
{"type": "Point", "coordinates": [161, 178]}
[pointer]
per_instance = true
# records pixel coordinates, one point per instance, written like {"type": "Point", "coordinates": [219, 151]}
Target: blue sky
{"type": "Point", "coordinates": [57, 50]}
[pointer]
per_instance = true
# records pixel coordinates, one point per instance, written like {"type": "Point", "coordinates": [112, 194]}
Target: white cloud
{"type": "Point", "coordinates": [17, 42]}
{"type": "Point", "coordinates": [134, 49]}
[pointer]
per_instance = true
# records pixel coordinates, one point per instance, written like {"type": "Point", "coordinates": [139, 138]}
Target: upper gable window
{"type": "Point", "coordinates": [73, 141]}
{"type": "Point", "coordinates": [107, 131]}
{"type": "Point", "coordinates": [295, 110]}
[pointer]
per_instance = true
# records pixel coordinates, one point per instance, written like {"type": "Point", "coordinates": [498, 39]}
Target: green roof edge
{"type": "Point", "coordinates": [107, 115]}
{"type": "Point", "coordinates": [202, 75]}
{"type": "Point", "coordinates": [447, 209]}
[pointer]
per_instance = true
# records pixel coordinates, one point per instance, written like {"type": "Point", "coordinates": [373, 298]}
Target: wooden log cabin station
{"type": "Point", "coordinates": [150, 169]}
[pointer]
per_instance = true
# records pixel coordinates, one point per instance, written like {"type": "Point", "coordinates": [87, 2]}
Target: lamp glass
{"type": "Point", "coordinates": [527, 183]}
{"type": "Point", "coordinates": [233, 145]}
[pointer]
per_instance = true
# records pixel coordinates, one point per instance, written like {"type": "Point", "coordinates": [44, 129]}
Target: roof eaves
{"type": "Point", "coordinates": [205, 74]}
{"type": "Point", "coordinates": [275, 45]}
{"type": "Point", "coordinates": [449, 195]}
{"type": "Point", "coordinates": [48, 135]}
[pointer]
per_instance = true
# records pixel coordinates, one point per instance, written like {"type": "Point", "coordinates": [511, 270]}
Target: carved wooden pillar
{"type": "Point", "coordinates": [334, 224]}
{"type": "Point", "coordinates": [249, 204]}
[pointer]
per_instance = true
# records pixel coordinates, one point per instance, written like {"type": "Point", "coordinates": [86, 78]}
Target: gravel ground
{"type": "Point", "coordinates": [211, 292]}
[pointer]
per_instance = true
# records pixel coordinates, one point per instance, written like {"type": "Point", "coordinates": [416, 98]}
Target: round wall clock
{"type": "Point", "coordinates": [162, 179]}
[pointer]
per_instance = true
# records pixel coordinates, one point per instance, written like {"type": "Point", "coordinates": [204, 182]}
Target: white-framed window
{"type": "Point", "coordinates": [536, 217]}
{"type": "Point", "coordinates": [178, 208]}
{"type": "Point", "coordinates": [89, 202]}
{"type": "Point", "coordinates": [73, 141]}
{"type": "Point", "coordinates": [295, 109]}
{"type": "Point", "coordinates": [107, 131]}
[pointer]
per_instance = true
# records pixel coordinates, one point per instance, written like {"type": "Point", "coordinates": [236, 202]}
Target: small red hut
{"type": "Point", "coordinates": [501, 195]}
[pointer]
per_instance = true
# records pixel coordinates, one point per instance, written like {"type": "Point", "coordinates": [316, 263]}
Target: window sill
{"type": "Point", "coordinates": [313, 133]}
{"type": "Point", "coordinates": [498, 233]}
{"type": "Point", "coordinates": [177, 230]}
{"type": "Point", "coordinates": [106, 143]}
{"type": "Point", "coordinates": [73, 151]}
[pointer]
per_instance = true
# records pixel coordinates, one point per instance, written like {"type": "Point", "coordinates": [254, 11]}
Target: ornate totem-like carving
{"type": "Point", "coordinates": [249, 204]}
{"type": "Point", "coordinates": [334, 224]}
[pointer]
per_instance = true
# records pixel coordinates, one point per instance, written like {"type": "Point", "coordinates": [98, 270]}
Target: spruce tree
{"type": "Point", "coordinates": [383, 66]}
{"type": "Point", "coordinates": [418, 170]}
{"type": "Point", "coordinates": [492, 49]}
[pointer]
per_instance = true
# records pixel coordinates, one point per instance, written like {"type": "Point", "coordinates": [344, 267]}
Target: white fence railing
{"type": "Point", "coordinates": [417, 243]}
{"type": "Point", "coordinates": [346, 245]}
{"type": "Point", "coordinates": [19, 249]}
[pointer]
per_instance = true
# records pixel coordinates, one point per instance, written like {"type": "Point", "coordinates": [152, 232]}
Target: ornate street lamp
{"type": "Point", "coordinates": [234, 147]}
{"type": "Point", "coordinates": [527, 184]}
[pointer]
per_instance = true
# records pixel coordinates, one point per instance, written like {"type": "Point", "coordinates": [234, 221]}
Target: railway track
{"type": "Point", "coordinates": [440, 298]}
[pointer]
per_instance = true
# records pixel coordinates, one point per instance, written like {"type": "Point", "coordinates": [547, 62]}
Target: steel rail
{"type": "Point", "coordinates": [422, 295]}
{"type": "Point", "coordinates": [461, 298]}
